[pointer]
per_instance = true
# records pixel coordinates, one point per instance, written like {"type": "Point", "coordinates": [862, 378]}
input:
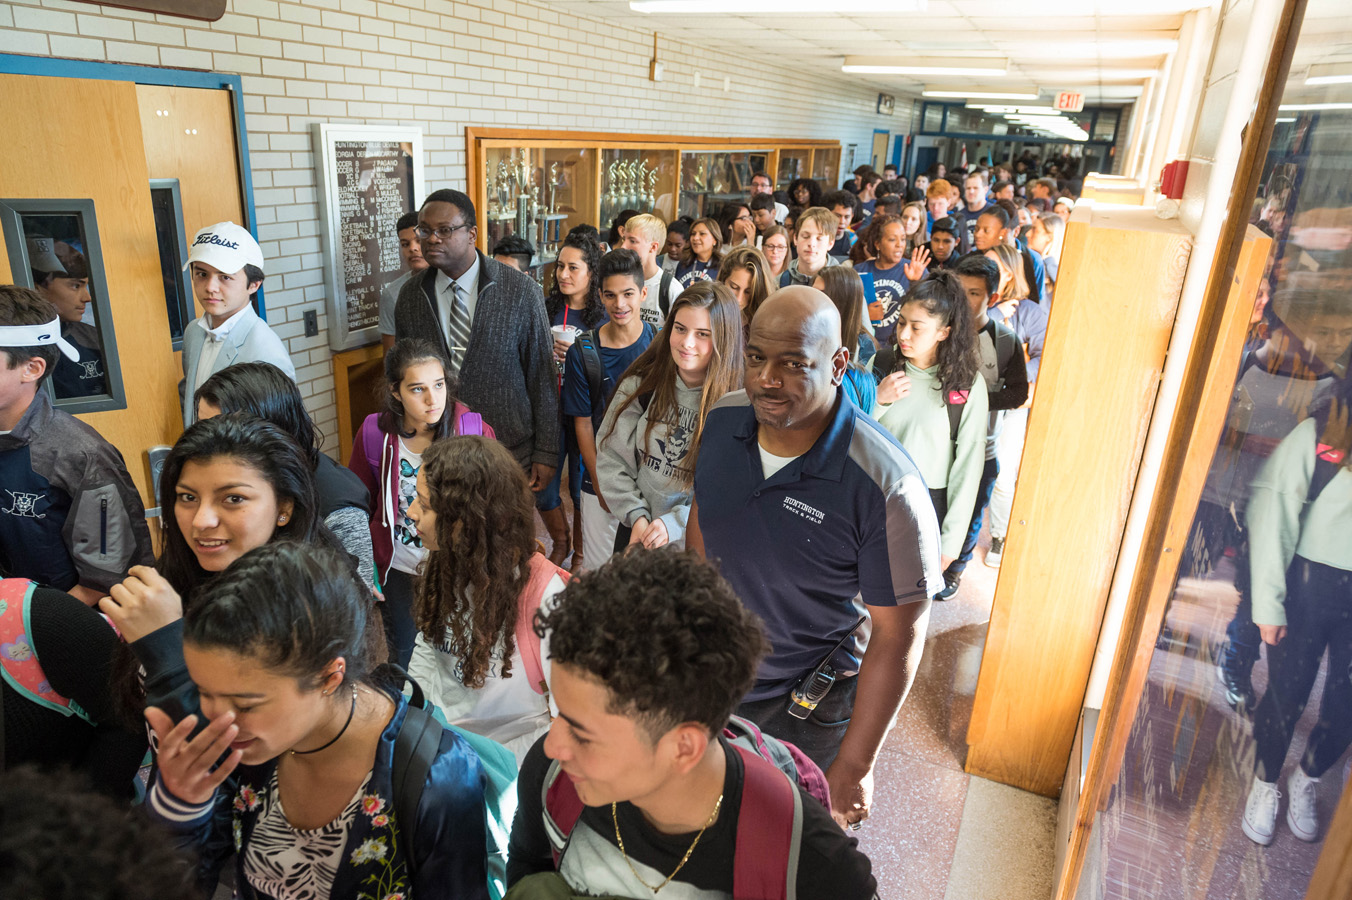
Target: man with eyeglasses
{"type": "Point", "coordinates": [489, 320]}
{"type": "Point", "coordinates": [761, 183]}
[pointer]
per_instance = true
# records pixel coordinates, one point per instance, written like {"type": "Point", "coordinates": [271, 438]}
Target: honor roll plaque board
{"type": "Point", "coordinates": [369, 177]}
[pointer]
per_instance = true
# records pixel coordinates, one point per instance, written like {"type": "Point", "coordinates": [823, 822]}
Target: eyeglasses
{"type": "Point", "coordinates": [443, 232]}
{"type": "Point", "coordinates": [742, 219]}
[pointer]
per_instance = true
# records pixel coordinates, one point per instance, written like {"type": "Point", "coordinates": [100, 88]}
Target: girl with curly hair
{"type": "Point", "coordinates": [933, 384]}
{"type": "Point", "coordinates": [419, 408]}
{"type": "Point", "coordinates": [651, 434]}
{"type": "Point", "coordinates": [483, 580]}
{"type": "Point", "coordinates": [805, 193]}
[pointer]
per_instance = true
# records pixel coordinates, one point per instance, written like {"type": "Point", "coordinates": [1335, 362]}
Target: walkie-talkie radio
{"type": "Point", "coordinates": [814, 687]}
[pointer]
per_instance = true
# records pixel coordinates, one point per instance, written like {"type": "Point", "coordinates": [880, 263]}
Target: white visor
{"type": "Point", "coordinates": [36, 336]}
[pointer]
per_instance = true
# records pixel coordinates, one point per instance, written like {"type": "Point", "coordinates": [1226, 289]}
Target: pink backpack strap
{"type": "Point", "coordinates": [769, 833]}
{"type": "Point", "coordinates": [542, 571]}
{"type": "Point", "coordinates": [562, 809]}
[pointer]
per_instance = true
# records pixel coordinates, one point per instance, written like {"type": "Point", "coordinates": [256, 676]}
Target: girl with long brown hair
{"type": "Point", "coordinates": [747, 274]}
{"type": "Point", "coordinates": [651, 434]}
{"type": "Point", "coordinates": [476, 655]}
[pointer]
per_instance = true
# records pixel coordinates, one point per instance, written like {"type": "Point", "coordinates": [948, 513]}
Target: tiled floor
{"type": "Point", "coordinates": [935, 831]}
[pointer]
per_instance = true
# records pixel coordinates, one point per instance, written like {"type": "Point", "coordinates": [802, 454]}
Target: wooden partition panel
{"type": "Point", "coordinates": [1121, 273]}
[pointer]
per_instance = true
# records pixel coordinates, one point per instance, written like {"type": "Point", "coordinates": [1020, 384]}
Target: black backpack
{"type": "Point", "coordinates": [887, 360]}
{"type": "Point", "coordinates": [1327, 458]}
{"type": "Point", "coordinates": [664, 294]}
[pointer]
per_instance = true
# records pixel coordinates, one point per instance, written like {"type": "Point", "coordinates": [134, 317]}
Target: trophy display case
{"type": "Point", "coordinates": [540, 184]}
{"type": "Point", "coordinates": [826, 167]}
{"type": "Point", "coordinates": [642, 180]}
{"type": "Point", "coordinates": [538, 193]}
{"type": "Point", "coordinates": [709, 179]}
{"type": "Point", "coordinates": [794, 163]}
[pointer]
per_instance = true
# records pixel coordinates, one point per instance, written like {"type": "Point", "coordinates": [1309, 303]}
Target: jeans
{"type": "Point", "coordinates": [983, 498]}
{"type": "Point", "coordinates": [1318, 615]}
{"type": "Point", "coordinates": [549, 497]}
{"type": "Point", "coordinates": [397, 613]}
{"type": "Point", "coordinates": [820, 734]}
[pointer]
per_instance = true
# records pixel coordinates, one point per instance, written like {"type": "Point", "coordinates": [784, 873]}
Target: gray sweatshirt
{"type": "Point", "coordinates": [645, 481]}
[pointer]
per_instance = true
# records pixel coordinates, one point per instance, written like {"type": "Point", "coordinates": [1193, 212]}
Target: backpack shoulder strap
{"type": "Point", "coordinates": [955, 402]}
{"type": "Point", "coordinates": [561, 807]}
{"type": "Point", "coordinates": [769, 833]}
{"type": "Point", "coordinates": [415, 749]}
{"type": "Point", "coordinates": [664, 294]}
{"type": "Point", "coordinates": [1006, 344]}
{"type": "Point", "coordinates": [542, 571]}
{"type": "Point", "coordinates": [470, 423]}
{"type": "Point", "coordinates": [589, 346]}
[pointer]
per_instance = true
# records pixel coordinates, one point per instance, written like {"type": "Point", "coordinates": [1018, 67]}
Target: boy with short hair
{"type": "Point", "coordinates": [678, 235]}
{"type": "Point", "coordinates": [650, 656]}
{"type": "Point", "coordinates": [763, 185]}
{"type": "Point", "coordinates": [591, 372]}
{"type": "Point", "coordinates": [70, 516]}
{"type": "Point", "coordinates": [1006, 375]}
{"type": "Point", "coordinates": [812, 238]}
{"type": "Point", "coordinates": [515, 251]}
{"type": "Point", "coordinates": [943, 243]}
{"type": "Point", "coordinates": [646, 235]}
{"type": "Point", "coordinates": [763, 213]}
{"type": "Point", "coordinates": [845, 206]}
{"type": "Point", "coordinates": [868, 198]}
{"type": "Point", "coordinates": [937, 199]}
{"type": "Point", "coordinates": [410, 251]}
{"type": "Point", "coordinates": [227, 270]}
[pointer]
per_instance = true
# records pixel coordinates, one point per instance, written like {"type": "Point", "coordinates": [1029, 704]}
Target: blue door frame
{"type": "Point", "coordinates": [51, 67]}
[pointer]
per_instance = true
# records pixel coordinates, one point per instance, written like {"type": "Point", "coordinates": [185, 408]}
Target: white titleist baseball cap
{"type": "Point", "coordinates": [226, 247]}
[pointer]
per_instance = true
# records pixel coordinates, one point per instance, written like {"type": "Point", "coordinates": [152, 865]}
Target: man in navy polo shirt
{"type": "Point", "coordinates": [815, 514]}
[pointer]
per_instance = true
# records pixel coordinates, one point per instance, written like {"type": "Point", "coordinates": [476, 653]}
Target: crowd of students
{"type": "Point", "coordinates": [351, 676]}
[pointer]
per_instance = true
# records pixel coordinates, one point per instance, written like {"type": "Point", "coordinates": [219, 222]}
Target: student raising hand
{"type": "Point", "coordinates": [915, 268]}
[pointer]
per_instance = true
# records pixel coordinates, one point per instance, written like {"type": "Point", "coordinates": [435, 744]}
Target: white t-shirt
{"type": "Point", "coordinates": [508, 710]}
{"type": "Point", "coordinates": [771, 464]}
{"type": "Point", "coordinates": [408, 549]}
{"type": "Point", "coordinates": [651, 310]}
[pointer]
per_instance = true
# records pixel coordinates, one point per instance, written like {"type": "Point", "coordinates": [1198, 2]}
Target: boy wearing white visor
{"type": "Point", "coordinates": [227, 270]}
{"type": "Point", "coordinates": [70, 516]}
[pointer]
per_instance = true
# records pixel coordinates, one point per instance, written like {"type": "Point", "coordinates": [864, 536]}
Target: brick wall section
{"type": "Point", "coordinates": [441, 66]}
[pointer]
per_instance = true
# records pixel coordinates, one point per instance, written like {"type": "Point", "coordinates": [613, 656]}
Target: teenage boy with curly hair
{"type": "Point", "coordinates": [650, 654]}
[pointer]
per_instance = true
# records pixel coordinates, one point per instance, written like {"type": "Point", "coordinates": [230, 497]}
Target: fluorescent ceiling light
{"type": "Point", "coordinates": [1010, 108]}
{"type": "Point", "coordinates": [983, 93]}
{"type": "Point", "coordinates": [1313, 107]}
{"type": "Point", "coordinates": [1046, 8]}
{"type": "Point", "coordinates": [891, 65]}
{"type": "Point", "coordinates": [1051, 76]}
{"type": "Point", "coordinates": [775, 7]}
{"type": "Point", "coordinates": [1279, 120]}
{"type": "Point", "coordinates": [1330, 73]}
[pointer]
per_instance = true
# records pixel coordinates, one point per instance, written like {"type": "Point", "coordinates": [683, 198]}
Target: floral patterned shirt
{"type": "Point", "coordinates": [363, 854]}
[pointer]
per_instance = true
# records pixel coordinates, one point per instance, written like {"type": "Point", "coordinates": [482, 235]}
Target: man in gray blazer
{"type": "Point", "coordinates": [489, 320]}
{"type": "Point", "coordinates": [227, 270]}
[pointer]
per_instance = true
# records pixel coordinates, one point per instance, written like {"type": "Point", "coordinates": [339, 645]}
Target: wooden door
{"type": "Point", "coordinates": [71, 138]}
{"type": "Point", "coordinates": [879, 150]}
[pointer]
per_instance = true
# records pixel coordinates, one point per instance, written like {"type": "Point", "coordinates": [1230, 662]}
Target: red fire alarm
{"type": "Point", "coordinates": [1172, 179]}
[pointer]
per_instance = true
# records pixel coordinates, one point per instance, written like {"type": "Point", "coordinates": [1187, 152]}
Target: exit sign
{"type": "Point", "coordinates": [1069, 101]}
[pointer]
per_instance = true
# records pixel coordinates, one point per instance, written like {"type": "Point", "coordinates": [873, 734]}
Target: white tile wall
{"type": "Point", "coordinates": [441, 66]}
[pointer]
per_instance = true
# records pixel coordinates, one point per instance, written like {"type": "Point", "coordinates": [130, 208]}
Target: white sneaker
{"type": "Point", "coordinates": [1260, 812]}
{"type": "Point", "coordinates": [995, 553]}
{"type": "Point", "coordinates": [1302, 807]}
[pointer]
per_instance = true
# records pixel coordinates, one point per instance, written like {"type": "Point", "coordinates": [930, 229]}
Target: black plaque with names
{"type": "Point", "coordinates": [375, 186]}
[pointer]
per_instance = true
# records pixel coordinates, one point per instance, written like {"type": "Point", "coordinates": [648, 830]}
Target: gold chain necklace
{"type": "Point", "coordinates": [684, 859]}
